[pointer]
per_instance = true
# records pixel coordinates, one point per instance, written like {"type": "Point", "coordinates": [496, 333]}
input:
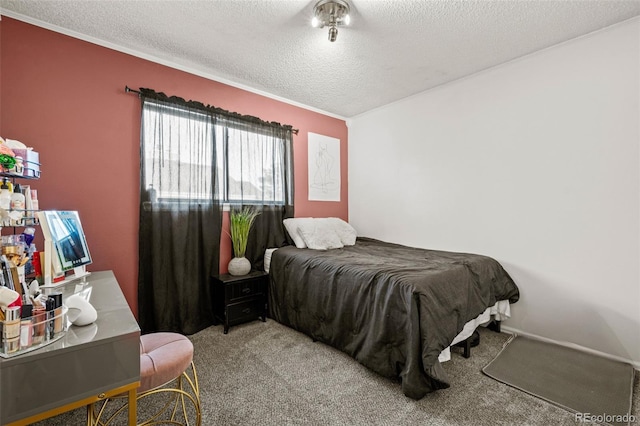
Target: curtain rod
{"type": "Point", "coordinates": [127, 89]}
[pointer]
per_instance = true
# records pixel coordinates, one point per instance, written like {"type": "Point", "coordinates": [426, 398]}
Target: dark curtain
{"type": "Point", "coordinates": [267, 232]}
{"type": "Point", "coordinates": [180, 219]}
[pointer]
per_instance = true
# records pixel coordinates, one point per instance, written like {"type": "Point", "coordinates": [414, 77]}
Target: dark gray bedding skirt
{"type": "Point", "coordinates": [393, 308]}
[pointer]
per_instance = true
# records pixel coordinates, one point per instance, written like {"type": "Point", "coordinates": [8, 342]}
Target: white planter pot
{"type": "Point", "coordinates": [239, 266]}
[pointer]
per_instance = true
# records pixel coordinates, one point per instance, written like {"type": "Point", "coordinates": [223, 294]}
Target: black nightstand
{"type": "Point", "coordinates": [238, 299]}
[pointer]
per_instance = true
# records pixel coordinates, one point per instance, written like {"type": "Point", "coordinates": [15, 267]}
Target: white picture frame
{"type": "Point", "coordinates": [324, 168]}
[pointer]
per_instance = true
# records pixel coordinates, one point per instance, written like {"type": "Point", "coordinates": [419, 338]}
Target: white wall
{"type": "Point", "coordinates": [535, 163]}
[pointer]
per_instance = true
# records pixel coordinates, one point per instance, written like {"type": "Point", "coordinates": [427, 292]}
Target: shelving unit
{"type": "Point", "coordinates": [44, 327]}
{"type": "Point", "coordinates": [29, 218]}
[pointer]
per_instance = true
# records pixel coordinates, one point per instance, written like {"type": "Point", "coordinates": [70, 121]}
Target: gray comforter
{"type": "Point", "coordinates": [393, 308]}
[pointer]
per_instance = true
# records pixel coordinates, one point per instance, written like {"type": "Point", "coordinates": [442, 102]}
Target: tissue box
{"type": "Point", "coordinates": [30, 162]}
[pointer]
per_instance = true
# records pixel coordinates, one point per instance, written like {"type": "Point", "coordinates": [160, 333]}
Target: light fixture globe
{"type": "Point", "coordinates": [331, 13]}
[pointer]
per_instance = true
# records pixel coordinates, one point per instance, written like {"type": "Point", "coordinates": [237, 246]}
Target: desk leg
{"type": "Point", "coordinates": [133, 407]}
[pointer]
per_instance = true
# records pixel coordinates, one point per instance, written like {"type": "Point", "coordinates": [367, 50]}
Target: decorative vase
{"type": "Point", "coordinates": [239, 266]}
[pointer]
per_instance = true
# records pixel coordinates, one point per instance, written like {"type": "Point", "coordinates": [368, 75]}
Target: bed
{"type": "Point", "coordinates": [393, 308]}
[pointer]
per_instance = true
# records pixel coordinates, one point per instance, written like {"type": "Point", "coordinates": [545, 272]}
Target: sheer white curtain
{"type": "Point", "coordinates": [258, 172]}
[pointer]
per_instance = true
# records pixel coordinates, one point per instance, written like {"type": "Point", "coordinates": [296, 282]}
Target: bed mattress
{"type": "Point", "coordinates": [391, 307]}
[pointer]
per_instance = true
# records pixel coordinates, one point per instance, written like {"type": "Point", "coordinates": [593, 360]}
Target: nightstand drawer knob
{"type": "Point", "coordinates": [246, 310]}
{"type": "Point", "coordinates": [246, 290]}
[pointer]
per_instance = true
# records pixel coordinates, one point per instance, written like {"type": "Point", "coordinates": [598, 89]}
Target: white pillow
{"type": "Point", "coordinates": [292, 225]}
{"type": "Point", "coordinates": [319, 235]}
{"type": "Point", "coordinates": [346, 232]}
{"type": "Point", "coordinates": [267, 258]}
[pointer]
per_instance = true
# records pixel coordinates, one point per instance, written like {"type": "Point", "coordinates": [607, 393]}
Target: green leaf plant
{"type": "Point", "coordinates": [241, 220]}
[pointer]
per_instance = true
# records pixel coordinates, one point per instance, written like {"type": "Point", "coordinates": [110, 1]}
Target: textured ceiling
{"type": "Point", "coordinates": [392, 49]}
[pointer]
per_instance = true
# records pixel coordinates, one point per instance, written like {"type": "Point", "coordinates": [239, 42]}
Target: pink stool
{"type": "Point", "coordinates": [165, 359]}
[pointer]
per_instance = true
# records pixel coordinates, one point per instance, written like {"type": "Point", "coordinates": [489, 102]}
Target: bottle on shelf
{"type": "Point", "coordinates": [34, 199]}
{"type": "Point", "coordinates": [18, 202]}
{"type": "Point", "coordinates": [7, 181]}
{"type": "Point", "coordinates": [5, 196]}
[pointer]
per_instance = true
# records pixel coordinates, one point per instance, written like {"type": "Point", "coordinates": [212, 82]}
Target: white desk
{"type": "Point", "coordinates": [87, 365]}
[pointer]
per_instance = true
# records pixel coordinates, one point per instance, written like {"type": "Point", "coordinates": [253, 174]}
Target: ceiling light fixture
{"type": "Point", "coordinates": [331, 13]}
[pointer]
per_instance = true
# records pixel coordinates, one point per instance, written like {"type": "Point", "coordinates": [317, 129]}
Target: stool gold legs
{"type": "Point", "coordinates": [183, 398]}
{"type": "Point", "coordinates": [187, 394]}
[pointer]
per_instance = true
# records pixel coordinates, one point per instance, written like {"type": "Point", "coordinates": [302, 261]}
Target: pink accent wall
{"type": "Point", "coordinates": [65, 97]}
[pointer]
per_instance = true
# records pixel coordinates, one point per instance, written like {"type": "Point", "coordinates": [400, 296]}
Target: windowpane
{"type": "Point", "coordinates": [249, 166]}
{"type": "Point", "coordinates": [254, 167]}
{"type": "Point", "coordinates": [178, 153]}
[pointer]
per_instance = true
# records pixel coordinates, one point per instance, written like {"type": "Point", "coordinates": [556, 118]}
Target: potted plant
{"type": "Point", "coordinates": [241, 220]}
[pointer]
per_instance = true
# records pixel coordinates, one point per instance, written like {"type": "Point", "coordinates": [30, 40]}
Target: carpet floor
{"type": "Point", "coordinates": [268, 374]}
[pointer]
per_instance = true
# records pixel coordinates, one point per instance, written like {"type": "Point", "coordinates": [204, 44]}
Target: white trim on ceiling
{"type": "Point", "coordinates": [157, 60]}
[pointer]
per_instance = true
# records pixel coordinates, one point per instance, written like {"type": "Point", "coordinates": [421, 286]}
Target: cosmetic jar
{"type": "Point", "coordinates": [11, 329]}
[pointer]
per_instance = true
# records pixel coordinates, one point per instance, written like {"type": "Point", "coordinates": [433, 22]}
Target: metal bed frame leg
{"type": "Point", "coordinates": [467, 348]}
{"type": "Point", "coordinates": [494, 325]}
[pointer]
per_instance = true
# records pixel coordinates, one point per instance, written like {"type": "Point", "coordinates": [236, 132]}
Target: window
{"type": "Point", "coordinates": [178, 152]}
{"type": "Point", "coordinates": [251, 169]}
{"type": "Point", "coordinates": [193, 159]}
{"type": "Point", "coordinates": [188, 156]}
